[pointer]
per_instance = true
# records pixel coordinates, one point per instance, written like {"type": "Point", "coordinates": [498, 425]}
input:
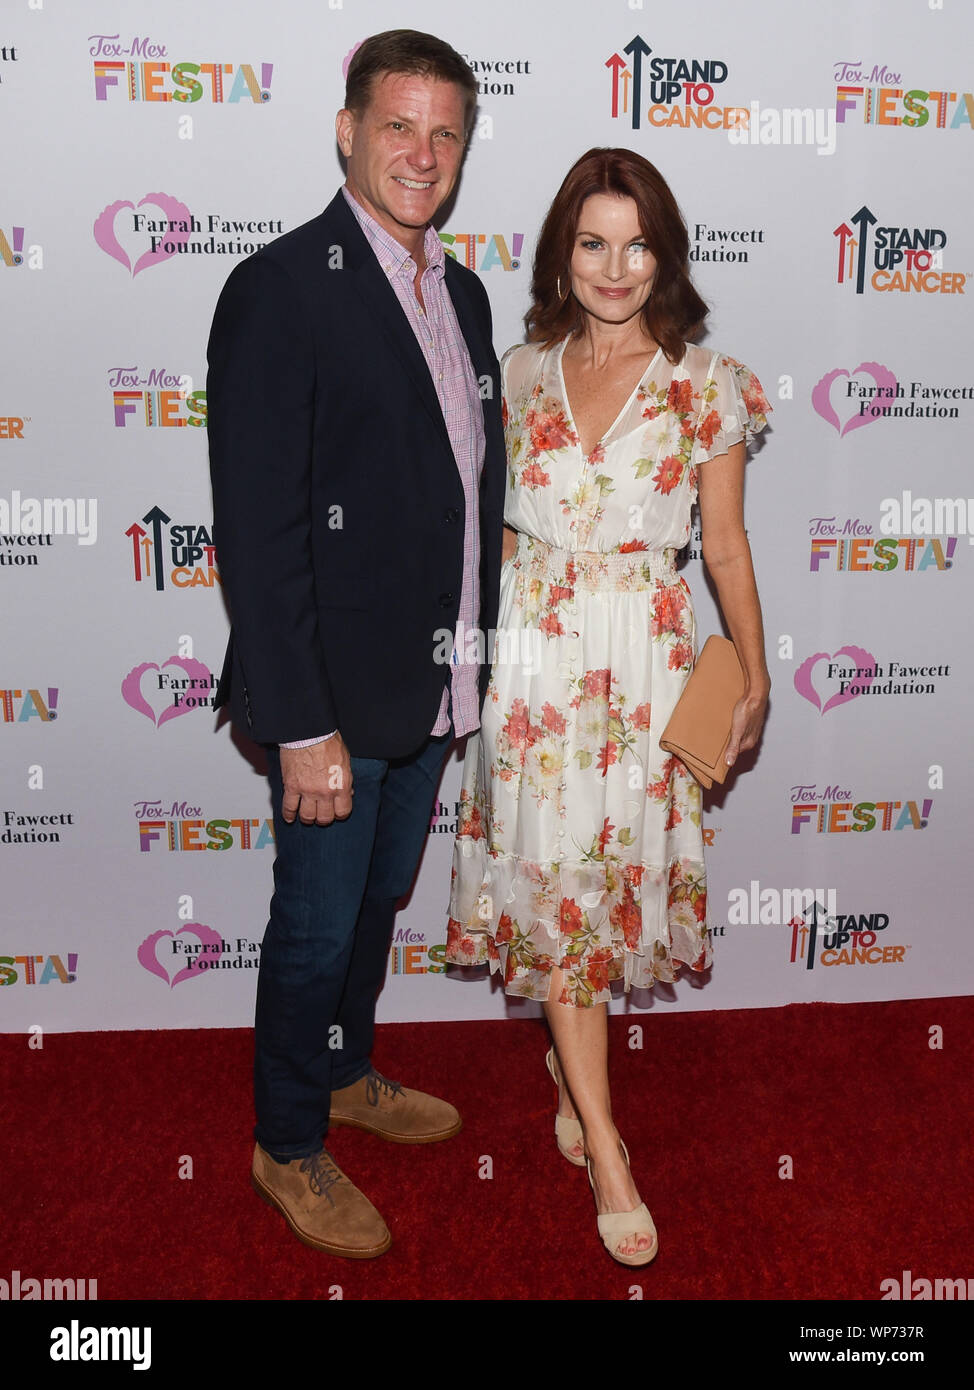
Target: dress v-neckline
{"type": "Point", "coordinates": [568, 405]}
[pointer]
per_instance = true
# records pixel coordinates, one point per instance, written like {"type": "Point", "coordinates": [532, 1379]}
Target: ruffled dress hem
{"type": "Point", "coordinates": [599, 920]}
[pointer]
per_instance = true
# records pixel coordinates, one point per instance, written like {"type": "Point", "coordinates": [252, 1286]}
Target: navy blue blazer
{"type": "Point", "coordinates": [337, 502]}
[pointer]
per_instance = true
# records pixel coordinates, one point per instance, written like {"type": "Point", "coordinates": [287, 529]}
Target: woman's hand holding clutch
{"type": "Point", "coordinates": [748, 721]}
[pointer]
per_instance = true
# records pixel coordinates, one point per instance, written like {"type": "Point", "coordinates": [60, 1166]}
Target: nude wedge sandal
{"type": "Point", "coordinates": [568, 1130]}
{"type": "Point", "coordinates": [615, 1225]}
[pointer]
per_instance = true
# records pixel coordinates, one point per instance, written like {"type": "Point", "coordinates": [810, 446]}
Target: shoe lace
{"type": "Point", "coordinates": [323, 1172]}
{"type": "Point", "coordinates": [376, 1082]}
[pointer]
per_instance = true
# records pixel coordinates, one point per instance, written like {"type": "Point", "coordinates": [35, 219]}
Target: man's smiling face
{"type": "Point", "coordinates": [404, 151]}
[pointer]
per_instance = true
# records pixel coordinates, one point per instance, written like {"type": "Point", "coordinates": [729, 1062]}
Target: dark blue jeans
{"type": "Point", "coordinates": [323, 958]}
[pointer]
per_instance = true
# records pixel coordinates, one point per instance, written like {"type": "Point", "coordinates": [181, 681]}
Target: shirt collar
{"type": "Point", "coordinates": [390, 253]}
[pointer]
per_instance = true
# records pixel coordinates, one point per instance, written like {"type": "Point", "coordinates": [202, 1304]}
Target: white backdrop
{"type": "Point", "coordinates": [836, 256]}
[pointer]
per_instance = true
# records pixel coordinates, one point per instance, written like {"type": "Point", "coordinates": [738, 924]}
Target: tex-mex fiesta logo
{"type": "Point", "coordinates": [19, 705]}
{"type": "Point", "coordinates": [181, 828]}
{"type": "Point", "coordinates": [14, 255]}
{"type": "Point", "coordinates": [61, 968]}
{"type": "Point", "coordinates": [912, 536]}
{"type": "Point", "coordinates": [834, 811]}
{"type": "Point", "coordinates": [411, 954]}
{"type": "Point", "coordinates": [878, 96]}
{"type": "Point", "coordinates": [155, 398]}
{"type": "Point", "coordinates": [12, 246]}
{"type": "Point", "coordinates": [904, 258]}
{"type": "Point", "coordinates": [669, 91]}
{"type": "Point", "coordinates": [849, 545]}
{"type": "Point", "coordinates": [138, 68]}
{"type": "Point", "coordinates": [482, 251]}
{"type": "Point", "coordinates": [182, 551]}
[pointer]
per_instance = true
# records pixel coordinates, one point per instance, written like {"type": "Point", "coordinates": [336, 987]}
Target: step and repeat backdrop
{"type": "Point", "coordinates": [822, 160]}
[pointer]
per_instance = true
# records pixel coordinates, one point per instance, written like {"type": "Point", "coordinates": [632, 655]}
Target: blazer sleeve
{"type": "Point", "coordinates": [260, 398]}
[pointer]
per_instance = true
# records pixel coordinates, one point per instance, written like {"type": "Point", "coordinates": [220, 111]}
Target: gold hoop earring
{"type": "Point", "coordinates": [558, 287]}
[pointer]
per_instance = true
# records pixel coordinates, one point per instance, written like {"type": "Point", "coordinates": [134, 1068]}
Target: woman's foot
{"type": "Point", "coordinates": [568, 1130]}
{"type": "Point", "coordinates": [625, 1224]}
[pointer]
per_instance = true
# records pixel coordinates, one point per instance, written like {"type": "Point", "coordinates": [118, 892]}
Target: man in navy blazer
{"type": "Point", "coordinates": [357, 460]}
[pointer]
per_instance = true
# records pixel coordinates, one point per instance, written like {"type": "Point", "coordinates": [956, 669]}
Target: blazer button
{"type": "Point", "coordinates": [451, 514]}
{"type": "Point", "coordinates": [446, 600]}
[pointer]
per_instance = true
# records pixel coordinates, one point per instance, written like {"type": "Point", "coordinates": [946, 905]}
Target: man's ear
{"type": "Point", "coordinates": [344, 124]}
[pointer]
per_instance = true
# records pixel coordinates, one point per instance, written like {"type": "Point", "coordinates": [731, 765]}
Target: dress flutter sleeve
{"type": "Point", "coordinates": [519, 371]}
{"type": "Point", "coordinates": [733, 406]}
{"type": "Point", "coordinates": [515, 366]}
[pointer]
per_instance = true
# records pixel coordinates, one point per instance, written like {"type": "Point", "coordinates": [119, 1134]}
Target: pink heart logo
{"type": "Point", "coordinates": [863, 662]}
{"type": "Point", "coordinates": [133, 694]}
{"type": "Point", "coordinates": [172, 211]}
{"type": "Point", "coordinates": [822, 395]}
{"type": "Point", "coordinates": [210, 940]}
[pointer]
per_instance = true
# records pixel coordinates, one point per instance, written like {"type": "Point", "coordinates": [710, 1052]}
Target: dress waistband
{"type": "Point", "coordinates": [594, 569]}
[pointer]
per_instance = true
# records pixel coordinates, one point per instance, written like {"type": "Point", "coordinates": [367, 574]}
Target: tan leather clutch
{"type": "Point", "coordinates": [698, 730]}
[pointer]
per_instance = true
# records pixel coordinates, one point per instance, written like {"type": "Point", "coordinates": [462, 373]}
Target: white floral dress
{"type": "Point", "coordinates": [579, 842]}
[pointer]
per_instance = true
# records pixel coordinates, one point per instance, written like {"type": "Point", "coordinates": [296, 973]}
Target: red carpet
{"type": "Point", "coordinates": [876, 1123]}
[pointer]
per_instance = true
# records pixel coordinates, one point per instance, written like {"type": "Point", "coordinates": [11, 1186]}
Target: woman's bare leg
{"type": "Point", "coordinates": [580, 1036]}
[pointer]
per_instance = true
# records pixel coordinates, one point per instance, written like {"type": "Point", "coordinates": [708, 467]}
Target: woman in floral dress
{"type": "Point", "coordinates": [579, 852]}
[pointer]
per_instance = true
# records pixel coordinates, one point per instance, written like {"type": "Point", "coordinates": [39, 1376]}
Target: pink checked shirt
{"type": "Point", "coordinates": [445, 352]}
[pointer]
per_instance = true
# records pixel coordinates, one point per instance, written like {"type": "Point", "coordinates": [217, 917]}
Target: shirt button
{"type": "Point", "coordinates": [446, 600]}
{"type": "Point", "coordinates": [451, 514]}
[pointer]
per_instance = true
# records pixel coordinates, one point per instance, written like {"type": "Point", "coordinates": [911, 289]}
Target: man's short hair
{"type": "Point", "coordinates": [407, 51]}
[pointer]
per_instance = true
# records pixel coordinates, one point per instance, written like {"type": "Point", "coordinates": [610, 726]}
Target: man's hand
{"type": "Point", "coordinates": [317, 782]}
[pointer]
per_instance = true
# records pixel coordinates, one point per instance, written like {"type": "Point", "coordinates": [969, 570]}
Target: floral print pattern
{"type": "Point", "coordinates": [579, 844]}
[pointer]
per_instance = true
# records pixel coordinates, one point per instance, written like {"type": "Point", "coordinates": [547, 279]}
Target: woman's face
{"type": "Point", "coordinates": [612, 267]}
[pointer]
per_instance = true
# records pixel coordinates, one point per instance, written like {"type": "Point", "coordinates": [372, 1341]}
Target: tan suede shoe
{"type": "Point", "coordinates": [385, 1108]}
{"type": "Point", "coordinates": [323, 1209]}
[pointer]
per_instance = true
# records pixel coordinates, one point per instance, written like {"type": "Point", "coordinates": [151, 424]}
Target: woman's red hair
{"type": "Point", "coordinates": [674, 312]}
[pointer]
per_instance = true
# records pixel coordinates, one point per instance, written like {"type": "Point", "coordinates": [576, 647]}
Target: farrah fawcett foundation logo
{"type": "Point", "coordinates": [828, 680]}
{"type": "Point", "coordinates": [145, 234]}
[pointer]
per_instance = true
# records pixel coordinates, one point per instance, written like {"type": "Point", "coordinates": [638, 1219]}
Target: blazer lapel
{"type": "Point", "coordinates": [468, 321]}
{"type": "Point", "coordinates": [379, 298]}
